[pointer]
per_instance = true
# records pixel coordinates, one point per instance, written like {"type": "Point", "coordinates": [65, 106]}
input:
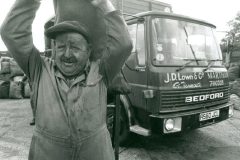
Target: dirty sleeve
{"type": "Point", "coordinates": [118, 46]}
{"type": "Point", "coordinates": [16, 32]}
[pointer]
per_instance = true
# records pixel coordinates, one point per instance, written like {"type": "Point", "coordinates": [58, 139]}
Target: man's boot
{"type": "Point", "coordinates": [32, 123]}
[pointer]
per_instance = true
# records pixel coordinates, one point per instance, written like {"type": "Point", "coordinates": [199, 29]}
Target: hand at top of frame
{"type": "Point", "coordinates": [105, 5]}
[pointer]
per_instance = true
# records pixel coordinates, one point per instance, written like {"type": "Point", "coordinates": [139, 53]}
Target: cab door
{"type": "Point", "coordinates": [135, 68]}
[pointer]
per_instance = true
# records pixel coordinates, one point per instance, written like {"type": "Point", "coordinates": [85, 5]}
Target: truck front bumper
{"type": "Point", "coordinates": [178, 122]}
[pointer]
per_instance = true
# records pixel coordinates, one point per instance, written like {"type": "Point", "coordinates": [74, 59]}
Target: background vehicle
{"type": "Point", "coordinates": [132, 7]}
{"type": "Point", "coordinates": [177, 78]}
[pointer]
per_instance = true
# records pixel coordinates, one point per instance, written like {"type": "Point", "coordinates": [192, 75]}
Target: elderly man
{"type": "Point", "coordinates": [69, 92]}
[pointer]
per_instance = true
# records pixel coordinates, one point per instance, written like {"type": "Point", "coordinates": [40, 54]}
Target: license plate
{"type": "Point", "coordinates": [209, 115]}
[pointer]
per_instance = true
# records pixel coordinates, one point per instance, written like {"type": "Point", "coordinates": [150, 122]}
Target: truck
{"type": "Point", "coordinates": [175, 71]}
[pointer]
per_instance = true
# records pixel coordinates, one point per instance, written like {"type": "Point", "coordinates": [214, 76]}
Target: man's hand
{"type": "Point", "coordinates": [105, 5]}
{"type": "Point", "coordinates": [97, 2]}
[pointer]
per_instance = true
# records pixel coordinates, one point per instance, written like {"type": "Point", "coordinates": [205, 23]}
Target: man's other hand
{"type": "Point", "coordinates": [105, 5]}
{"type": "Point", "coordinates": [98, 2]}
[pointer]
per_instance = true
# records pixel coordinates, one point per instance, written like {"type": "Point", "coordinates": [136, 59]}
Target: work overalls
{"type": "Point", "coordinates": [70, 123]}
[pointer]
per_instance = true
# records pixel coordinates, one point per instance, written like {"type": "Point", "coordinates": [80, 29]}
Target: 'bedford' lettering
{"type": "Point", "coordinates": [203, 97]}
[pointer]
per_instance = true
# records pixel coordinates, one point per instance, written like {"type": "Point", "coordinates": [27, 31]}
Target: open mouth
{"type": "Point", "coordinates": [68, 64]}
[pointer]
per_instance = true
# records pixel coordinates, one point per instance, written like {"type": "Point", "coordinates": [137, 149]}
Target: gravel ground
{"type": "Point", "coordinates": [217, 142]}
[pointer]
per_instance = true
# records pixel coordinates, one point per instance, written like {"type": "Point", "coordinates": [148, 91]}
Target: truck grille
{"type": "Point", "coordinates": [174, 100]}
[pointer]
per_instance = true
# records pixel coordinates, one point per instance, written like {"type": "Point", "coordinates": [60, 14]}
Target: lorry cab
{"type": "Point", "coordinates": [176, 73]}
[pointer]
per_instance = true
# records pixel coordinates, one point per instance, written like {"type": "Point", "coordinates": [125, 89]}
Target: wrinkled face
{"type": "Point", "coordinates": [72, 53]}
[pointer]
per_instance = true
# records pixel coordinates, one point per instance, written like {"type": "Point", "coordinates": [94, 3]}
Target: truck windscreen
{"type": "Point", "coordinates": [174, 41]}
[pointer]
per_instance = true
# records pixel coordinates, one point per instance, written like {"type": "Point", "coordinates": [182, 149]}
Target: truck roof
{"type": "Point", "coordinates": [169, 15]}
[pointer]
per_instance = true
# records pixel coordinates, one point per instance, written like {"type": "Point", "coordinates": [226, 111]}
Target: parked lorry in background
{"type": "Point", "coordinates": [177, 77]}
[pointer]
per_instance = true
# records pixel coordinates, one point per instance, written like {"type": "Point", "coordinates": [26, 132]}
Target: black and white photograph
{"type": "Point", "coordinates": [119, 80]}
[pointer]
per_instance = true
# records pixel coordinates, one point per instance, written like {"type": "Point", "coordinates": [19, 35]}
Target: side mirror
{"type": "Point", "coordinates": [140, 56]}
{"type": "Point", "coordinates": [140, 45]}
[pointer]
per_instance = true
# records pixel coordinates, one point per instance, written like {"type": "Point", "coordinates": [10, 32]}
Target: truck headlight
{"type": "Point", "coordinates": [172, 125]}
{"type": "Point", "coordinates": [169, 124]}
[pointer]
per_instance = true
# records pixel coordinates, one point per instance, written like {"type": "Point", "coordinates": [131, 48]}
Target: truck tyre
{"type": "Point", "coordinates": [124, 126]}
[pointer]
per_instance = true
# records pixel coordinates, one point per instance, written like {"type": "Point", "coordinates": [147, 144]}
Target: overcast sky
{"type": "Point", "coordinates": [218, 12]}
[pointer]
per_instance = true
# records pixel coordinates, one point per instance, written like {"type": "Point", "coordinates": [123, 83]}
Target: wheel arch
{"type": "Point", "coordinates": [127, 108]}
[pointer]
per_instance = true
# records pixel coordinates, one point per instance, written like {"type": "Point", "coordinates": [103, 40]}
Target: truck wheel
{"type": "Point", "coordinates": [124, 127]}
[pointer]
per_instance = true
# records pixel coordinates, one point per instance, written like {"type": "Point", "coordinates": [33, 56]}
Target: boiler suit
{"type": "Point", "coordinates": [70, 120]}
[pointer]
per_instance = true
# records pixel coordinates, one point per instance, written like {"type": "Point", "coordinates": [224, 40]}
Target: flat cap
{"type": "Point", "coordinates": [68, 26]}
{"type": "Point", "coordinates": [85, 13]}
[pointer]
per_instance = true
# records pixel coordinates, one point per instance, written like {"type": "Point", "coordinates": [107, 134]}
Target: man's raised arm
{"type": "Point", "coordinates": [119, 45]}
{"type": "Point", "coordinates": [16, 33]}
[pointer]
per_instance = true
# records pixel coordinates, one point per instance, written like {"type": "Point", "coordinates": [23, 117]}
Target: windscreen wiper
{"type": "Point", "coordinates": [210, 63]}
{"type": "Point", "coordinates": [190, 61]}
{"type": "Point", "coordinates": [192, 50]}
